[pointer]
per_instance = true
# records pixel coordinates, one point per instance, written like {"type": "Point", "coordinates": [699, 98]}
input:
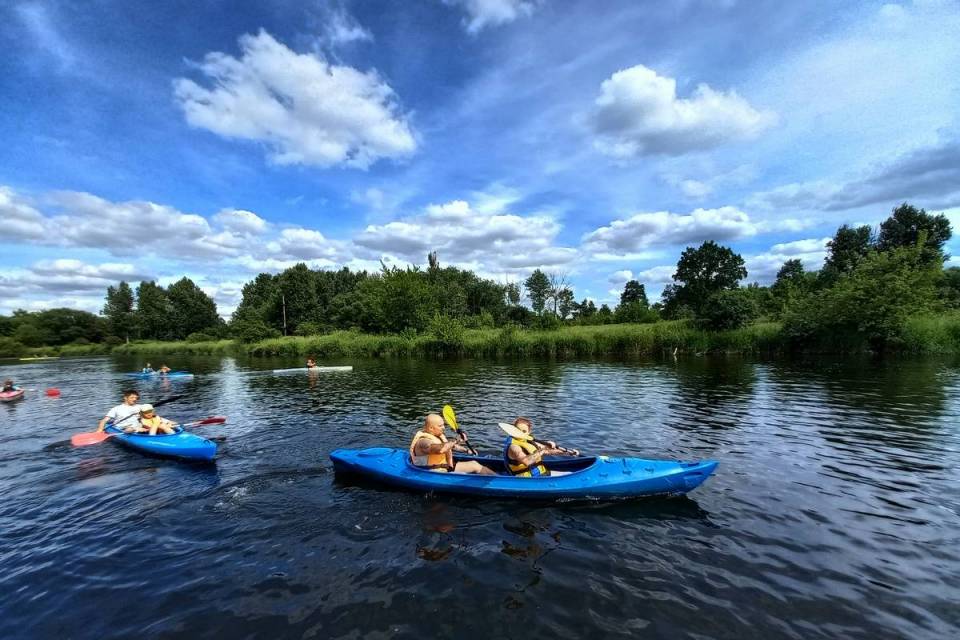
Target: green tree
{"type": "Point", "coordinates": [950, 287]}
{"type": "Point", "coordinates": [565, 302]}
{"type": "Point", "coordinates": [604, 314]}
{"type": "Point", "coordinates": [633, 291]}
{"type": "Point", "coordinates": [849, 246]}
{"type": "Point", "coordinates": [512, 292]}
{"type": "Point", "coordinates": [538, 290]}
{"type": "Point", "coordinates": [154, 312]}
{"type": "Point", "coordinates": [298, 296]}
{"type": "Point", "coordinates": [191, 310]}
{"type": "Point", "coordinates": [907, 224]}
{"type": "Point", "coordinates": [702, 272]}
{"type": "Point", "coordinates": [729, 309]}
{"type": "Point", "coordinates": [872, 303]}
{"type": "Point", "coordinates": [119, 310]}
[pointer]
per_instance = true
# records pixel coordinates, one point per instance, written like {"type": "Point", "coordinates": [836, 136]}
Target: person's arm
{"type": "Point", "coordinates": [518, 457]}
{"type": "Point", "coordinates": [423, 447]}
{"type": "Point", "coordinates": [103, 423]}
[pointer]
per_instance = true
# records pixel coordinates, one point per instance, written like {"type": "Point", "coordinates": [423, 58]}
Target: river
{"type": "Point", "coordinates": [834, 513]}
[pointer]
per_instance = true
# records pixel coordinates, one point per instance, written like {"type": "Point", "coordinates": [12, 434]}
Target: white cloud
{"type": "Point", "coordinates": [45, 33]}
{"type": "Point", "coordinates": [620, 277]}
{"type": "Point", "coordinates": [664, 228]}
{"type": "Point", "coordinates": [798, 247]}
{"type": "Point", "coordinates": [638, 113]}
{"type": "Point", "coordinates": [483, 13]}
{"type": "Point", "coordinates": [306, 110]}
{"type": "Point", "coordinates": [342, 28]}
{"type": "Point", "coordinates": [240, 221]}
{"type": "Point", "coordinates": [657, 275]}
{"type": "Point", "coordinates": [764, 267]}
{"type": "Point", "coordinates": [498, 242]}
{"type": "Point", "coordinates": [20, 220]}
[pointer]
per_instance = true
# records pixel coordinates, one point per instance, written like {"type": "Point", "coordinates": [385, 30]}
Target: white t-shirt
{"type": "Point", "coordinates": [122, 412]}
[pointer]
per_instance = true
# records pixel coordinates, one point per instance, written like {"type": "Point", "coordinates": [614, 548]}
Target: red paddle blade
{"type": "Point", "coordinates": [210, 420]}
{"type": "Point", "coordinates": [85, 439]}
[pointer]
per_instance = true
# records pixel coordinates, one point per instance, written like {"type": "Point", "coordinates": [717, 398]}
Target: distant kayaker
{"type": "Point", "coordinates": [9, 386]}
{"type": "Point", "coordinates": [524, 458]}
{"type": "Point", "coordinates": [147, 369]}
{"type": "Point", "coordinates": [311, 363]}
{"type": "Point", "coordinates": [163, 370]}
{"type": "Point", "coordinates": [122, 412]}
{"type": "Point", "coordinates": [151, 422]}
{"type": "Point", "coordinates": [431, 450]}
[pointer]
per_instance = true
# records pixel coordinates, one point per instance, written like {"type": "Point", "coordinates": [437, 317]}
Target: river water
{"type": "Point", "coordinates": [834, 513]}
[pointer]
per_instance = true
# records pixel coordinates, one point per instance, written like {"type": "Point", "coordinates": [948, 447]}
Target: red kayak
{"type": "Point", "coordinates": [10, 396]}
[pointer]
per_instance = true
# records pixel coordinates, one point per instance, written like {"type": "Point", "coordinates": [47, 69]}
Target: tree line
{"type": "Point", "coordinates": [870, 282]}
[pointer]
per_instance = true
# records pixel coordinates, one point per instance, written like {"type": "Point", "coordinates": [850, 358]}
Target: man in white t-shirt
{"type": "Point", "coordinates": [121, 412]}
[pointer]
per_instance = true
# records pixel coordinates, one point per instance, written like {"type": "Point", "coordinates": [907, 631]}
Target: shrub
{"type": "Point", "coordinates": [113, 341]}
{"type": "Point", "coordinates": [10, 348]}
{"type": "Point", "coordinates": [447, 333]}
{"type": "Point", "coordinates": [729, 309]}
{"type": "Point", "coordinates": [200, 336]}
{"type": "Point", "coordinates": [253, 331]}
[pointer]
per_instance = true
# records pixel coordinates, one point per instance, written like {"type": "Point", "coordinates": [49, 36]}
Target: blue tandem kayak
{"type": "Point", "coordinates": [150, 376]}
{"type": "Point", "coordinates": [181, 444]}
{"type": "Point", "coordinates": [587, 478]}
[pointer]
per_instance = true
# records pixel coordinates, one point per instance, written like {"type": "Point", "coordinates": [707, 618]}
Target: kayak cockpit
{"type": "Point", "coordinates": [564, 465]}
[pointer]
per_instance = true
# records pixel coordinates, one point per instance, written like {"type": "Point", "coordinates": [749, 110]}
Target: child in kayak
{"type": "Point", "coordinates": [122, 413]}
{"type": "Point", "coordinates": [431, 450]}
{"type": "Point", "coordinates": [9, 386]}
{"type": "Point", "coordinates": [147, 369]}
{"type": "Point", "coordinates": [311, 363]}
{"type": "Point", "coordinates": [164, 370]}
{"type": "Point", "coordinates": [524, 458]}
{"type": "Point", "coordinates": [151, 423]}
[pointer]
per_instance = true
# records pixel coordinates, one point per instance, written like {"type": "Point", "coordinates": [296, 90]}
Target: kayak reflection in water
{"type": "Point", "coordinates": [431, 450]}
{"type": "Point", "coordinates": [151, 423]}
{"type": "Point", "coordinates": [524, 456]}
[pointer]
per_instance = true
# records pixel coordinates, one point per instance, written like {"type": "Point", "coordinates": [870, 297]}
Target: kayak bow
{"type": "Point", "coordinates": [10, 396]}
{"type": "Point", "coordinates": [586, 478]}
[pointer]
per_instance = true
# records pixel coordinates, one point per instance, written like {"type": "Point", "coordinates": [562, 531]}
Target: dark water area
{"type": "Point", "coordinates": [834, 513]}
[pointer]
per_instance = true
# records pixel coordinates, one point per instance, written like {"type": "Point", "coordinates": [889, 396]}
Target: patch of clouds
{"type": "Point", "coordinates": [488, 13]}
{"type": "Point", "coordinates": [620, 277]}
{"type": "Point", "coordinates": [304, 109]}
{"type": "Point", "coordinates": [498, 242]}
{"type": "Point", "coordinates": [930, 174]}
{"type": "Point", "coordinates": [639, 113]}
{"type": "Point", "coordinates": [342, 28]}
{"type": "Point", "coordinates": [241, 221]}
{"type": "Point", "coordinates": [763, 267]}
{"type": "Point", "coordinates": [660, 228]}
{"type": "Point", "coordinates": [44, 32]}
{"type": "Point", "coordinates": [704, 187]}
{"type": "Point", "coordinates": [657, 275]}
{"type": "Point", "coordinates": [21, 221]}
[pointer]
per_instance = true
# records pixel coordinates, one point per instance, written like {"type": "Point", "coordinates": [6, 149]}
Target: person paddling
{"type": "Point", "coordinates": [524, 458]}
{"type": "Point", "coordinates": [311, 363]}
{"type": "Point", "coordinates": [122, 412]}
{"type": "Point", "coordinates": [431, 450]}
{"type": "Point", "coordinates": [147, 369]}
{"type": "Point", "coordinates": [9, 386]}
{"type": "Point", "coordinates": [164, 370]}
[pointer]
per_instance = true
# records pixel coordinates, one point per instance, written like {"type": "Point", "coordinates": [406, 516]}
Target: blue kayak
{"type": "Point", "coordinates": [181, 444]}
{"type": "Point", "coordinates": [587, 478]}
{"type": "Point", "coordinates": [151, 376]}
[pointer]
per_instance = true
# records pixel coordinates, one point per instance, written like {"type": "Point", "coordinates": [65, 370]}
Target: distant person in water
{"type": "Point", "coordinates": [151, 422]}
{"type": "Point", "coordinates": [311, 363]}
{"type": "Point", "coordinates": [163, 370]}
{"type": "Point", "coordinates": [147, 369]}
{"type": "Point", "coordinates": [431, 450]}
{"type": "Point", "coordinates": [9, 386]}
{"type": "Point", "coordinates": [524, 458]}
{"type": "Point", "coordinates": [122, 413]}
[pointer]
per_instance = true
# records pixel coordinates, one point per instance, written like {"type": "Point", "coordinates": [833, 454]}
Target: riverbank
{"type": "Point", "coordinates": [923, 334]}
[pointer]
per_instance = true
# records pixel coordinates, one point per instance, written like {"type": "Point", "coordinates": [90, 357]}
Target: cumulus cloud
{"type": "Point", "coordinates": [764, 267]}
{"type": "Point", "coordinates": [664, 228]}
{"type": "Point", "coordinates": [306, 110]}
{"type": "Point", "coordinates": [930, 174]}
{"type": "Point", "coordinates": [484, 13]}
{"type": "Point", "coordinates": [21, 221]}
{"type": "Point", "coordinates": [657, 275]}
{"type": "Point", "coordinates": [460, 233]}
{"type": "Point", "coordinates": [240, 221]}
{"type": "Point", "coordinates": [638, 113]}
{"type": "Point", "coordinates": [342, 28]}
{"type": "Point", "coordinates": [620, 277]}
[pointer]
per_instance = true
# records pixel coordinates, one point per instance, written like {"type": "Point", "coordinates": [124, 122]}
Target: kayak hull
{"type": "Point", "coordinates": [599, 478]}
{"type": "Point", "coordinates": [158, 376]}
{"type": "Point", "coordinates": [314, 369]}
{"type": "Point", "coordinates": [11, 396]}
{"type": "Point", "coordinates": [182, 444]}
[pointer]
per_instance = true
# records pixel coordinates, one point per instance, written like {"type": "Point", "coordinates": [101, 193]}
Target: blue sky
{"type": "Point", "coordinates": [217, 139]}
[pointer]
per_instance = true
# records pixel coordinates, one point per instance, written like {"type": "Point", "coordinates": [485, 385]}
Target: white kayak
{"type": "Point", "coordinates": [314, 369]}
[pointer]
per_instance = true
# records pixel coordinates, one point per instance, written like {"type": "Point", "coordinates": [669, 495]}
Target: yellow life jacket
{"type": "Point", "coordinates": [150, 423]}
{"type": "Point", "coordinates": [517, 469]}
{"type": "Point", "coordinates": [431, 461]}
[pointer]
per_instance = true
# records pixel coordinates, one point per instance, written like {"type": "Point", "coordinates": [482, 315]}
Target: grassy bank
{"type": "Point", "coordinates": [923, 335]}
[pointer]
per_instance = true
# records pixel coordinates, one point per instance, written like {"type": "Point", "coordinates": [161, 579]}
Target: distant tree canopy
{"type": "Point", "coordinates": [702, 272]}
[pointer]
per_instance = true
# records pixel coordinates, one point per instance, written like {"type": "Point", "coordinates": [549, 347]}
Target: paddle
{"type": "Point", "coordinates": [96, 437]}
{"type": "Point", "coordinates": [451, 419]}
{"type": "Point", "coordinates": [514, 432]}
{"type": "Point", "coordinates": [93, 437]}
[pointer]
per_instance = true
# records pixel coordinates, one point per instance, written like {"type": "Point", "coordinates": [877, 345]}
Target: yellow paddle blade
{"type": "Point", "coordinates": [450, 417]}
{"type": "Point", "coordinates": [514, 432]}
